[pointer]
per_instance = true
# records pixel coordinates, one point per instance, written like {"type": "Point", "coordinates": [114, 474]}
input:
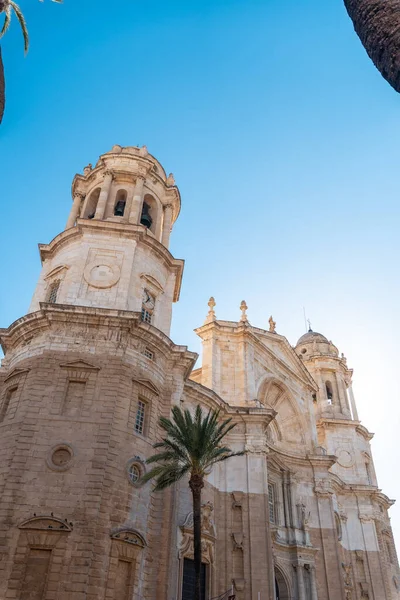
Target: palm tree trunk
{"type": "Point", "coordinates": [377, 24]}
{"type": "Point", "coordinates": [2, 88]}
{"type": "Point", "coordinates": [196, 484]}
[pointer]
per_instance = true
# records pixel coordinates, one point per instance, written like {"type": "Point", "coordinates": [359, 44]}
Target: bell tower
{"type": "Point", "coordinates": [332, 375]}
{"type": "Point", "coordinates": [114, 252]}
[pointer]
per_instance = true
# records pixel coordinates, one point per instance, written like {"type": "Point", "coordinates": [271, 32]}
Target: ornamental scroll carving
{"type": "Point", "coordinates": [186, 547]}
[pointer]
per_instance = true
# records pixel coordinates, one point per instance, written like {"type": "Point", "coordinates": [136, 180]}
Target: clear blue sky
{"type": "Point", "coordinates": [284, 141]}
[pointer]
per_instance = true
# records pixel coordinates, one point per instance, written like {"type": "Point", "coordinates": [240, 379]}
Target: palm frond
{"type": "Point", "coordinates": [22, 22]}
{"type": "Point", "coordinates": [192, 444]}
{"type": "Point", "coordinates": [7, 20]}
{"type": "Point", "coordinates": [165, 475]}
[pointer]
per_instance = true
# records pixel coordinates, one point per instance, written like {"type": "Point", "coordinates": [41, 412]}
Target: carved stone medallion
{"type": "Point", "coordinates": [102, 276]}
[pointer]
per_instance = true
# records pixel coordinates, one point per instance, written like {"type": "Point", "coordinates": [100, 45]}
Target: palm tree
{"type": "Point", "coordinates": [377, 23]}
{"type": "Point", "coordinates": [8, 7]}
{"type": "Point", "coordinates": [191, 447]}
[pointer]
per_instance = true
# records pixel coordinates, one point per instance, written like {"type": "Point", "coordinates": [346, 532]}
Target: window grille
{"type": "Point", "coordinates": [148, 303]}
{"type": "Point", "coordinates": [53, 291]}
{"type": "Point", "coordinates": [140, 417]}
{"type": "Point", "coordinates": [271, 503]}
{"type": "Point", "coordinates": [148, 353]}
{"type": "Point", "coordinates": [146, 316]}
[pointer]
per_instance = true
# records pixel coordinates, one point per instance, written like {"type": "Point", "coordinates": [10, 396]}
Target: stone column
{"type": "Point", "coordinates": [314, 594]}
{"type": "Point", "coordinates": [134, 215]}
{"type": "Point", "coordinates": [300, 582]}
{"type": "Point", "coordinates": [353, 404]}
{"type": "Point", "coordinates": [78, 197]}
{"type": "Point", "coordinates": [128, 205]}
{"type": "Point", "coordinates": [342, 397]}
{"type": "Point", "coordinates": [105, 191]}
{"type": "Point", "coordinates": [166, 231]}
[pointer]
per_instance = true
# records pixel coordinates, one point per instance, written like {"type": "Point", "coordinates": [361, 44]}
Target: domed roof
{"type": "Point", "coordinates": [312, 336]}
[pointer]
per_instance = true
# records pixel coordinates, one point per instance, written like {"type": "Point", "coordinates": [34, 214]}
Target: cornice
{"type": "Point", "coordinates": [326, 423]}
{"type": "Point", "coordinates": [93, 319]}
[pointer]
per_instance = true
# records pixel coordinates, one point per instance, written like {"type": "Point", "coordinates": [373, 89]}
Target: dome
{"type": "Point", "coordinates": [312, 336]}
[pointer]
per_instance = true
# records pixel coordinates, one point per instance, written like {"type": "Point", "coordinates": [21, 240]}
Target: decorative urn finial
{"type": "Point", "coordinates": [211, 313]}
{"type": "Point", "coordinates": [243, 308]}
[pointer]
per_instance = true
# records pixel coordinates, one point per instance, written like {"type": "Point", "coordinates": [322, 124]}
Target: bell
{"type": "Point", "coordinates": [146, 220]}
{"type": "Point", "coordinates": [119, 208]}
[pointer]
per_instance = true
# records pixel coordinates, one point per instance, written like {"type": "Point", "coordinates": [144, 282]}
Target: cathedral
{"type": "Point", "coordinates": [88, 372]}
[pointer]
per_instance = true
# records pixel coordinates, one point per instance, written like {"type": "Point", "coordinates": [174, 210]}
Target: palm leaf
{"type": "Point", "coordinates": [7, 20]}
{"type": "Point", "coordinates": [22, 22]}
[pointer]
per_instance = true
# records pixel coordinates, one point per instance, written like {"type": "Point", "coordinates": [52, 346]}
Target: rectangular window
{"type": "Point", "coordinates": [53, 291]}
{"type": "Point", "coordinates": [11, 394]}
{"type": "Point", "coordinates": [140, 417]}
{"type": "Point", "coordinates": [148, 353]}
{"type": "Point", "coordinates": [188, 583]}
{"type": "Point", "coordinates": [148, 303]}
{"type": "Point", "coordinates": [271, 503]}
{"type": "Point", "coordinates": [74, 398]}
{"type": "Point", "coordinates": [36, 572]}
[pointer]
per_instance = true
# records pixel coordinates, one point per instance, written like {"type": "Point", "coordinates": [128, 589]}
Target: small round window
{"type": "Point", "coordinates": [134, 473]}
{"type": "Point", "coordinates": [304, 351]}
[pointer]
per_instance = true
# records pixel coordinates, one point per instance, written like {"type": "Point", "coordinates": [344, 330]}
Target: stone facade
{"type": "Point", "coordinates": [88, 372]}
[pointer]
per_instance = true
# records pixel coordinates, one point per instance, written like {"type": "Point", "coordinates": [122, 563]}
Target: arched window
{"type": "Point", "coordinates": [329, 391]}
{"type": "Point", "coordinates": [120, 203]}
{"type": "Point", "coordinates": [91, 205]}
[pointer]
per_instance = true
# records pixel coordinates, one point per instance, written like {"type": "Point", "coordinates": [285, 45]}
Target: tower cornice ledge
{"type": "Point", "coordinates": [119, 324]}
{"type": "Point", "coordinates": [326, 423]}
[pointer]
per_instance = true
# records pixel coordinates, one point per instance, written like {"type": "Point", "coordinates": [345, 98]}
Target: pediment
{"type": "Point", "coordinates": [147, 384]}
{"type": "Point", "coordinates": [129, 536]}
{"type": "Point", "coordinates": [280, 348]}
{"type": "Point", "coordinates": [57, 271]}
{"type": "Point", "coordinates": [16, 373]}
{"type": "Point", "coordinates": [46, 523]}
{"type": "Point", "coordinates": [152, 282]}
{"type": "Point", "coordinates": [80, 365]}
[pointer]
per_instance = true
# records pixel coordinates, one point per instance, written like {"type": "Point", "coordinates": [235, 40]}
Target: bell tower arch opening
{"type": "Point", "coordinates": [149, 214]}
{"type": "Point", "coordinates": [90, 208]}
{"type": "Point", "coordinates": [120, 203]}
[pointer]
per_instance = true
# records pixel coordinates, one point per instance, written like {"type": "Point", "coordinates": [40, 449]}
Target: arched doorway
{"type": "Point", "coordinates": [281, 587]}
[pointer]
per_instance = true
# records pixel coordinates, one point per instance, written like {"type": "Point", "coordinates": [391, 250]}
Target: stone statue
{"type": "Point", "coordinates": [170, 179]}
{"type": "Point", "coordinates": [272, 325]}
